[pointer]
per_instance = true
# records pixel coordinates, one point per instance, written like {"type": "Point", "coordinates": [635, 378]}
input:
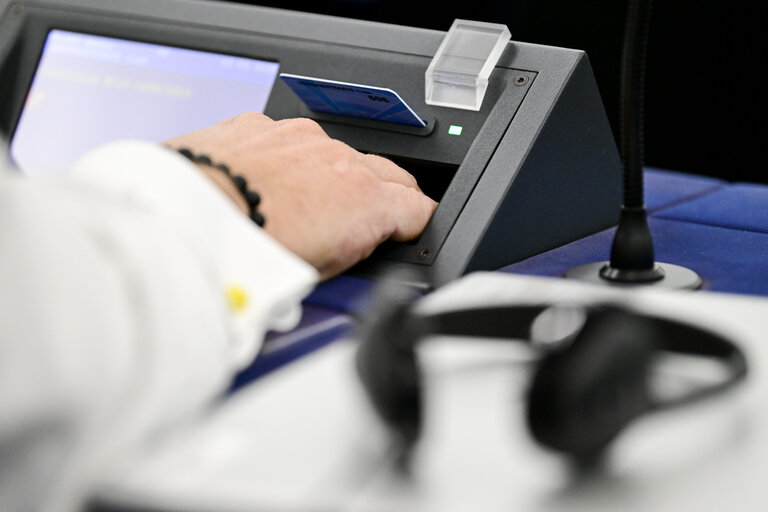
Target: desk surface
{"type": "Point", "coordinates": [303, 438]}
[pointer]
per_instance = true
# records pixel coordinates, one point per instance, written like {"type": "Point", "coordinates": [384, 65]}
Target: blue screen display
{"type": "Point", "coordinates": [89, 90]}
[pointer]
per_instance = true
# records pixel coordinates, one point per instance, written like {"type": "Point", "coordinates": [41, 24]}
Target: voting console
{"type": "Point", "coordinates": [533, 168]}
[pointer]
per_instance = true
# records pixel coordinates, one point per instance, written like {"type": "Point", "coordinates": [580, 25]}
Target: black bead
{"type": "Point", "coordinates": [252, 198]}
{"type": "Point", "coordinates": [240, 183]}
{"type": "Point", "coordinates": [258, 218]}
{"type": "Point", "coordinates": [186, 153]}
{"type": "Point", "coordinates": [204, 160]}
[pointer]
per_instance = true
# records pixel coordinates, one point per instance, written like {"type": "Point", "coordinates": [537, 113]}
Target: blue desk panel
{"type": "Point", "coordinates": [742, 206]}
{"type": "Point", "coordinates": [347, 294]}
{"type": "Point", "coordinates": [717, 229]}
{"type": "Point", "coordinates": [663, 188]}
{"type": "Point", "coordinates": [318, 327]}
{"type": "Point", "coordinates": [728, 260]}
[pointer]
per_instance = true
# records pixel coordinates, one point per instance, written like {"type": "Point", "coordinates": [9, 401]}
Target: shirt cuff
{"type": "Point", "coordinates": [262, 283]}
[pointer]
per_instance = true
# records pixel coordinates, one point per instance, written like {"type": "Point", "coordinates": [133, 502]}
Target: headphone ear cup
{"type": "Point", "coordinates": [386, 361]}
{"type": "Point", "coordinates": [583, 395]}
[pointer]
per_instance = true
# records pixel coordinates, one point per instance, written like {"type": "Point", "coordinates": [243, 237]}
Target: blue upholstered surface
{"type": "Point", "coordinates": [665, 188]}
{"type": "Point", "coordinates": [727, 260]}
{"type": "Point", "coordinates": [344, 293]}
{"type": "Point", "coordinates": [318, 327]}
{"type": "Point", "coordinates": [742, 206]}
{"type": "Point", "coordinates": [717, 229]}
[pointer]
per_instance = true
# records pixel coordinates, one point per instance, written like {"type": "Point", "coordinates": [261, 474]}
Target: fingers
{"type": "Point", "coordinates": [303, 130]}
{"type": "Point", "coordinates": [306, 132]}
{"type": "Point", "coordinates": [329, 203]}
{"type": "Point", "coordinates": [387, 170]}
{"type": "Point", "coordinates": [410, 210]}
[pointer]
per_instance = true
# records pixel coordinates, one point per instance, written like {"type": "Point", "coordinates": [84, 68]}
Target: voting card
{"type": "Point", "coordinates": [356, 100]}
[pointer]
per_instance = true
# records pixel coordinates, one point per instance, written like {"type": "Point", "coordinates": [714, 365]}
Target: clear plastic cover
{"type": "Point", "coordinates": [458, 75]}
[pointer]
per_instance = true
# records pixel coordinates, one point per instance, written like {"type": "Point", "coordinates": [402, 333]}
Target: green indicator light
{"type": "Point", "coordinates": [454, 130]}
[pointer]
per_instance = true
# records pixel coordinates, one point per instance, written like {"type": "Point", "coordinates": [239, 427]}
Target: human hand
{"type": "Point", "coordinates": [328, 203]}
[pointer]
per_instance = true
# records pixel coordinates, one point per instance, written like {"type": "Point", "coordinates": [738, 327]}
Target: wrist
{"type": "Point", "coordinates": [234, 186]}
{"type": "Point", "coordinates": [226, 185]}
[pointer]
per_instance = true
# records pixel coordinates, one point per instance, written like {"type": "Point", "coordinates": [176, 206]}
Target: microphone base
{"type": "Point", "coordinates": [673, 277]}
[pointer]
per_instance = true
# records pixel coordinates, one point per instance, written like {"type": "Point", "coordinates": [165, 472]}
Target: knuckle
{"type": "Point", "coordinates": [247, 118]}
{"type": "Point", "coordinates": [345, 167]}
{"type": "Point", "coordinates": [344, 158]}
{"type": "Point", "coordinates": [339, 149]}
{"type": "Point", "coordinates": [409, 180]}
{"type": "Point", "coordinates": [256, 116]}
{"type": "Point", "coordinates": [253, 116]}
{"type": "Point", "coordinates": [304, 125]}
{"type": "Point", "coordinates": [394, 170]}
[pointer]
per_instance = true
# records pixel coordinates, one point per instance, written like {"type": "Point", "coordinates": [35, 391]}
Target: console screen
{"type": "Point", "coordinates": [89, 90]}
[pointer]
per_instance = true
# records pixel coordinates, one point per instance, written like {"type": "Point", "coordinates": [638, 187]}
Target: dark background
{"type": "Point", "coordinates": [703, 93]}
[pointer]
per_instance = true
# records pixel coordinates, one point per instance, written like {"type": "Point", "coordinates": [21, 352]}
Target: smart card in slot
{"type": "Point", "coordinates": [349, 99]}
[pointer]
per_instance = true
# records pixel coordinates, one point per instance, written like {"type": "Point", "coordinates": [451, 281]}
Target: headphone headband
{"type": "Point", "coordinates": [586, 388]}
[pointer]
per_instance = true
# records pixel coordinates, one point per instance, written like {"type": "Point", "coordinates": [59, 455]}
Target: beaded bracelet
{"type": "Point", "coordinates": [251, 197]}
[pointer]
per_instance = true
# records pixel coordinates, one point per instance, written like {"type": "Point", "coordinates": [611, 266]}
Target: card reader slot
{"type": "Point", "coordinates": [433, 177]}
{"type": "Point", "coordinates": [370, 123]}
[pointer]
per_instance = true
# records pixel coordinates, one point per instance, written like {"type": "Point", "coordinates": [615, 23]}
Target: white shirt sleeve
{"type": "Point", "coordinates": [131, 291]}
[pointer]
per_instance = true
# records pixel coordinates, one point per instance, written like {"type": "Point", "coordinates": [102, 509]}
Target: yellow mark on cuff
{"type": "Point", "coordinates": [237, 297]}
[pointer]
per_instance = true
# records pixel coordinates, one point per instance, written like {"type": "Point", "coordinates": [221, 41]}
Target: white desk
{"type": "Point", "coordinates": [304, 438]}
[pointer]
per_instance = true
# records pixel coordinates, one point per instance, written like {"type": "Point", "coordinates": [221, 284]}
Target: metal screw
{"type": "Point", "coordinates": [521, 80]}
{"type": "Point", "coordinates": [425, 253]}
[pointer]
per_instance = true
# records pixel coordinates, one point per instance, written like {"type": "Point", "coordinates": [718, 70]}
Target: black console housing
{"type": "Point", "coordinates": [536, 167]}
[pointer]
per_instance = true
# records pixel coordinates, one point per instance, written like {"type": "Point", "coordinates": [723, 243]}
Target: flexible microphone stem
{"type": "Point", "coordinates": [632, 253]}
{"type": "Point", "coordinates": [632, 100]}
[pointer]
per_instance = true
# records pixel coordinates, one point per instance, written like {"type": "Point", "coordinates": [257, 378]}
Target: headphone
{"type": "Point", "coordinates": [587, 385]}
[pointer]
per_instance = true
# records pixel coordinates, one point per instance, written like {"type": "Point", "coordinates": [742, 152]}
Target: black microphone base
{"type": "Point", "coordinates": [674, 277]}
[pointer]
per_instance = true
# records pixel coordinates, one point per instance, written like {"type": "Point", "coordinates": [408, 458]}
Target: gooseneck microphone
{"type": "Point", "coordinates": [632, 253]}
